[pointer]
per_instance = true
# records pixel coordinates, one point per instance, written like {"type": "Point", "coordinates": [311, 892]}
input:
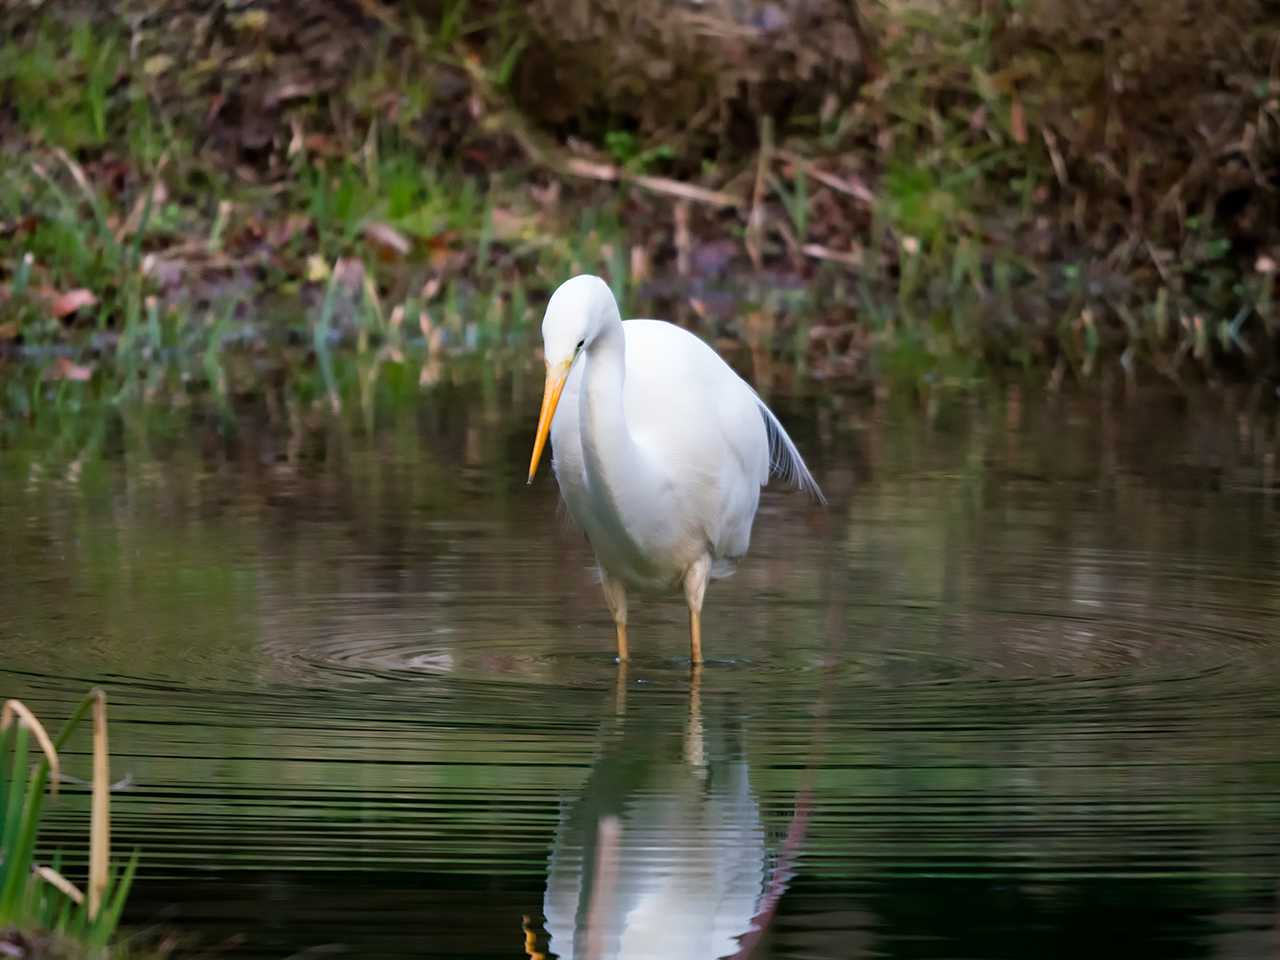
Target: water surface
{"type": "Point", "coordinates": [1014, 693]}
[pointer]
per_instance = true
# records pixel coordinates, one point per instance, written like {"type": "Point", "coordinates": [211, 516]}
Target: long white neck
{"type": "Point", "coordinates": [621, 475]}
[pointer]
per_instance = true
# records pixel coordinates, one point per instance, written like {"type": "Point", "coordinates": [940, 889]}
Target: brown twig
{"type": "Point", "coordinates": [850, 258]}
{"type": "Point", "coordinates": [854, 188]}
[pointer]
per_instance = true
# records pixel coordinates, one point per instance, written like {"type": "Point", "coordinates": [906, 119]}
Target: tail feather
{"type": "Point", "coordinates": [784, 459]}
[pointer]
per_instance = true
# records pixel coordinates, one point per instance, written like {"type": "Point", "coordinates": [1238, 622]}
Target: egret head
{"type": "Point", "coordinates": [580, 309]}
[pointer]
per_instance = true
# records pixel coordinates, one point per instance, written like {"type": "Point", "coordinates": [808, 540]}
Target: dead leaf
{"type": "Point", "coordinates": [317, 268]}
{"type": "Point", "coordinates": [1018, 121]}
{"type": "Point", "coordinates": [291, 89]}
{"type": "Point", "coordinates": [24, 224]}
{"type": "Point", "coordinates": [324, 146]}
{"type": "Point", "coordinates": [65, 369]}
{"type": "Point", "coordinates": [8, 330]}
{"type": "Point", "coordinates": [386, 238]}
{"type": "Point", "coordinates": [65, 304]}
{"type": "Point", "coordinates": [441, 250]}
{"type": "Point", "coordinates": [157, 64]}
{"type": "Point", "coordinates": [851, 258]}
{"type": "Point", "coordinates": [280, 232]}
{"type": "Point", "coordinates": [509, 225]}
{"type": "Point", "coordinates": [255, 20]}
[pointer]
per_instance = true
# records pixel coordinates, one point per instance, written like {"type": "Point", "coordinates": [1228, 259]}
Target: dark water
{"type": "Point", "coordinates": [1015, 693]}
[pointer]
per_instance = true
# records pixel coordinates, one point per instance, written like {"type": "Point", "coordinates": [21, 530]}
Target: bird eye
{"type": "Point", "coordinates": [580, 345]}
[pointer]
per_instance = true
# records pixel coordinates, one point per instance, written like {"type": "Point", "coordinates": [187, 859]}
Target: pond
{"type": "Point", "coordinates": [1014, 692]}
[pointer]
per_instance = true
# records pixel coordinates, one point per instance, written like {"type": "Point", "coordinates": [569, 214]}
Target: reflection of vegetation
{"type": "Point", "coordinates": [38, 898]}
{"type": "Point", "coordinates": [1053, 660]}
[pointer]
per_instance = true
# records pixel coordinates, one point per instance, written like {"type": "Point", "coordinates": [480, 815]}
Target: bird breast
{"type": "Point", "coordinates": [660, 460]}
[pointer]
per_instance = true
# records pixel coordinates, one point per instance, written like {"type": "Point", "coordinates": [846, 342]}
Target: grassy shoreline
{"type": "Point", "coordinates": [221, 207]}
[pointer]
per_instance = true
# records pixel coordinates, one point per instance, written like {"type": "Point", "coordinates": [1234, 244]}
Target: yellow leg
{"type": "Point", "coordinates": [695, 637]}
{"type": "Point", "coordinates": [615, 595]}
{"type": "Point", "coordinates": [695, 587]}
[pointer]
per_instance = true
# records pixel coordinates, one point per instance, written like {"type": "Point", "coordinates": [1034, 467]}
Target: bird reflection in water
{"type": "Point", "coordinates": [662, 855]}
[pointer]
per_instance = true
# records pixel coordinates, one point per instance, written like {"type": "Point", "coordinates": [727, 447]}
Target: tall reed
{"type": "Point", "coordinates": [39, 896]}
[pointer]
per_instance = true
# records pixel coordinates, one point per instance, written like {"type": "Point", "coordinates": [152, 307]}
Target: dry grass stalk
{"type": "Point", "coordinates": [853, 188]}
{"type": "Point", "coordinates": [59, 883]}
{"type": "Point", "coordinates": [17, 709]}
{"type": "Point", "coordinates": [100, 817]}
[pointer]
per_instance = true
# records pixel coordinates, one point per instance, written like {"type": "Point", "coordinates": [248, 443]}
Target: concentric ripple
{"type": "Point", "coordinates": [1002, 691]}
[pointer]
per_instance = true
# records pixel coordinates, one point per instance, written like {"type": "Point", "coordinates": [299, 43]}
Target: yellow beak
{"type": "Point", "coordinates": [556, 378]}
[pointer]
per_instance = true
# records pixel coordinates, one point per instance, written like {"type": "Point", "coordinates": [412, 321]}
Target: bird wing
{"type": "Point", "coordinates": [672, 372]}
{"type": "Point", "coordinates": [708, 429]}
{"type": "Point", "coordinates": [700, 422]}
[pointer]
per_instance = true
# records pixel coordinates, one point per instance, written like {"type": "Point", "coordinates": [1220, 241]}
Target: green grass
{"type": "Point", "coordinates": [213, 276]}
{"type": "Point", "coordinates": [36, 896]}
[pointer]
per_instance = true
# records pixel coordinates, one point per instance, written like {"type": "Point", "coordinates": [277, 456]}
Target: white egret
{"type": "Point", "coordinates": [660, 449]}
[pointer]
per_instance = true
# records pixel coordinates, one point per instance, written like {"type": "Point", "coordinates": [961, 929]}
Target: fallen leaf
{"type": "Point", "coordinates": [509, 225]}
{"type": "Point", "coordinates": [65, 304]}
{"type": "Point", "coordinates": [386, 237]}
{"type": "Point", "coordinates": [324, 146]}
{"type": "Point", "coordinates": [1018, 121]}
{"type": "Point", "coordinates": [155, 65]}
{"type": "Point", "coordinates": [292, 89]}
{"type": "Point", "coordinates": [280, 232]}
{"type": "Point", "coordinates": [24, 224]}
{"type": "Point", "coordinates": [64, 369]}
{"type": "Point", "coordinates": [317, 268]}
{"type": "Point", "coordinates": [251, 20]}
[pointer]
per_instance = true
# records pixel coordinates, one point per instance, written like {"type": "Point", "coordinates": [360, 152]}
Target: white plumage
{"type": "Point", "coordinates": [660, 449]}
